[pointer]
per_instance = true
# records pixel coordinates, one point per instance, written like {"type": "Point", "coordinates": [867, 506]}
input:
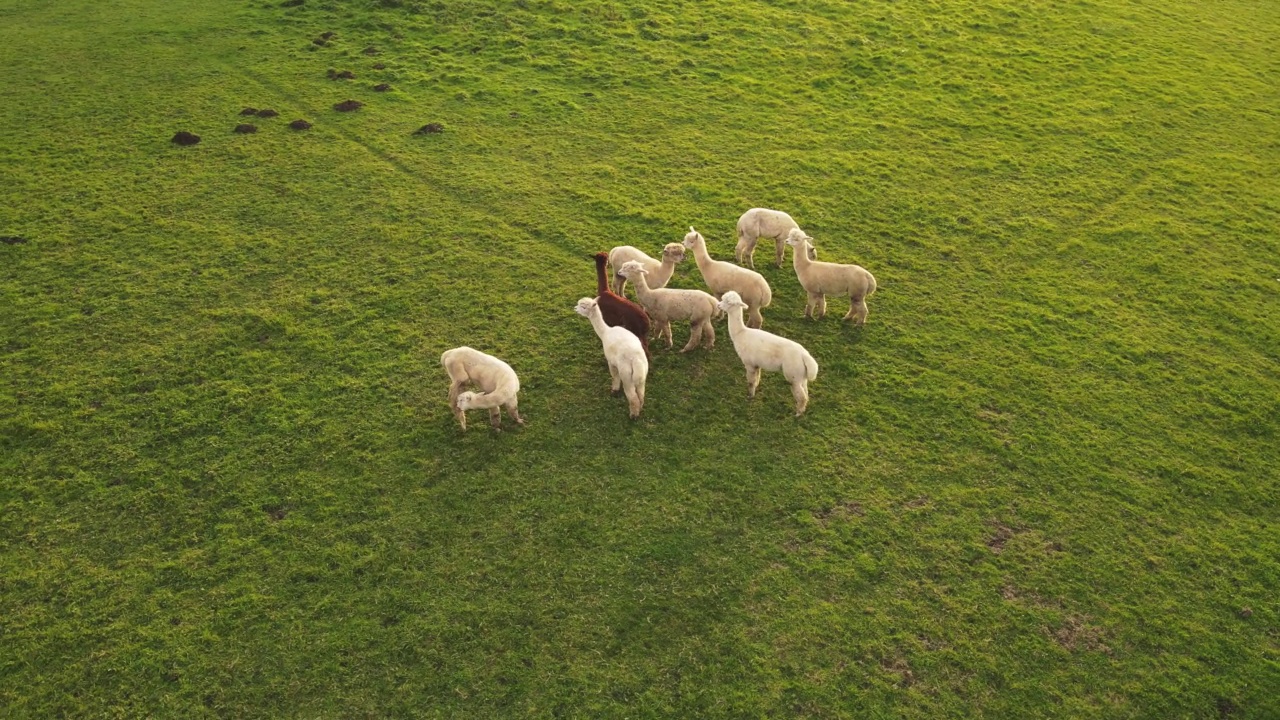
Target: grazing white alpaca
{"type": "Point", "coordinates": [495, 378]}
{"type": "Point", "coordinates": [721, 277]}
{"type": "Point", "coordinates": [660, 271]}
{"type": "Point", "coordinates": [665, 305]}
{"type": "Point", "coordinates": [820, 279]}
{"type": "Point", "coordinates": [759, 223]}
{"type": "Point", "coordinates": [760, 350]}
{"type": "Point", "coordinates": [628, 366]}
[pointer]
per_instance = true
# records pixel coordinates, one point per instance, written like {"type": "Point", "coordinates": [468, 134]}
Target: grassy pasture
{"type": "Point", "coordinates": [1041, 482]}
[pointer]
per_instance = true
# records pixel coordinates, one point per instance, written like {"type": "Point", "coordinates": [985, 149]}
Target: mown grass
{"type": "Point", "coordinates": [1039, 483]}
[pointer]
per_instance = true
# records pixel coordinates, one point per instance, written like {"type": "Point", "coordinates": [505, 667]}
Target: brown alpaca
{"type": "Point", "coordinates": [619, 311]}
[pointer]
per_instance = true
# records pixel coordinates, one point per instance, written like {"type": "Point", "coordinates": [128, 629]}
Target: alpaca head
{"type": "Point", "coordinates": [585, 306]}
{"type": "Point", "coordinates": [631, 268]}
{"type": "Point", "coordinates": [692, 238]}
{"type": "Point", "coordinates": [673, 252]}
{"type": "Point", "coordinates": [465, 399]}
{"type": "Point", "coordinates": [796, 238]}
{"type": "Point", "coordinates": [730, 301]}
{"type": "Point", "coordinates": [601, 259]}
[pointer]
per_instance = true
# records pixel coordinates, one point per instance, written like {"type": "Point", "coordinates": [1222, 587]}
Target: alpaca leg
{"type": "Point", "coordinates": [781, 248]}
{"type": "Point", "coordinates": [749, 253]}
{"type": "Point", "coordinates": [800, 390]}
{"type": "Point", "coordinates": [454, 389]}
{"type": "Point", "coordinates": [811, 306]}
{"type": "Point", "coordinates": [633, 401]}
{"type": "Point", "coordinates": [710, 331]}
{"type": "Point", "coordinates": [666, 330]}
{"type": "Point", "coordinates": [695, 335]}
{"type": "Point", "coordinates": [753, 379]}
{"type": "Point", "coordinates": [514, 412]}
{"type": "Point", "coordinates": [495, 418]}
{"type": "Point", "coordinates": [614, 382]}
{"type": "Point", "coordinates": [822, 306]}
{"type": "Point", "coordinates": [619, 283]}
{"type": "Point", "coordinates": [756, 320]}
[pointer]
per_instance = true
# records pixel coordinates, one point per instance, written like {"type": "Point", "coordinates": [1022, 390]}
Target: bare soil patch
{"type": "Point", "coordinates": [249, 111]}
{"type": "Point", "coordinates": [348, 105]}
{"type": "Point", "coordinates": [382, 87]}
{"type": "Point", "coordinates": [13, 239]}
{"type": "Point", "coordinates": [267, 113]}
{"type": "Point", "coordinates": [341, 75]}
{"type": "Point", "coordinates": [997, 541]}
{"type": "Point", "coordinates": [246, 128]}
{"type": "Point", "coordinates": [1077, 634]}
{"type": "Point", "coordinates": [371, 50]}
{"type": "Point", "coordinates": [380, 66]}
{"type": "Point", "coordinates": [429, 128]}
{"type": "Point", "coordinates": [185, 138]}
{"type": "Point", "coordinates": [300, 125]}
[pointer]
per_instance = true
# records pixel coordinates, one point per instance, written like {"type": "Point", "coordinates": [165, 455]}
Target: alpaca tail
{"type": "Point", "coordinates": [810, 367]}
{"type": "Point", "coordinates": [871, 287]}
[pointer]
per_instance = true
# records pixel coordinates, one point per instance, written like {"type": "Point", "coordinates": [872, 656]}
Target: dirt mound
{"type": "Point", "coordinates": [246, 128]}
{"type": "Point", "coordinates": [344, 75]}
{"type": "Point", "coordinates": [185, 138]}
{"type": "Point", "coordinates": [267, 113]}
{"type": "Point", "coordinates": [382, 87]}
{"type": "Point", "coordinates": [249, 111]}
{"type": "Point", "coordinates": [371, 50]}
{"type": "Point", "coordinates": [300, 125]}
{"type": "Point", "coordinates": [12, 239]}
{"type": "Point", "coordinates": [380, 66]}
{"type": "Point", "coordinates": [327, 34]}
{"type": "Point", "coordinates": [320, 41]}
{"type": "Point", "coordinates": [348, 105]}
{"type": "Point", "coordinates": [429, 129]}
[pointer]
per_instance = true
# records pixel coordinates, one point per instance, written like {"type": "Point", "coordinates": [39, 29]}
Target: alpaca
{"type": "Point", "coordinates": [665, 305]}
{"type": "Point", "coordinates": [760, 350]}
{"type": "Point", "coordinates": [494, 377]}
{"type": "Point", "coordinates": [722, 277]}
{"type": "Point", "coordinates": [619, 311]}
{"type": "Point", "coordinates": [628, 365]}
{"type": "Point", "coordinates": [659, 271]}
{"type": "Point", "coordinates": [759, 223]}
{"type": "Point", "coordinates": [820, 279]}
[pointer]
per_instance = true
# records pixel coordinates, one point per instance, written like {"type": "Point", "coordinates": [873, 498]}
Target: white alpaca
{"type": "Point", "coordinates": [495, 378]}
{"type": "Point", "coordinates": [665, 305]}
{"type": "Point", "coordinates": [760, 350]}
{"type": "Point", "coordinates": [759, 223]}
{"type": "Point", "coordinates": [820, 279]}
{"type": "Point", "coordinates": [721, 277]}
{"type": "Point", "coordinates": [628, 366]}
{"type": "Point", "coordinates": [660, 271]}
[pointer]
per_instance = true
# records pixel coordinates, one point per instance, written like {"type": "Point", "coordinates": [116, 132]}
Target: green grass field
{"type": "Point", "coordinates": [1041, 482]}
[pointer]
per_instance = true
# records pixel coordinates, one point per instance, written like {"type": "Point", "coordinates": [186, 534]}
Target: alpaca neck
{"type": "Point", "coordinates": [597, 322]}
{"type": "Point", "coordinates": [800, 255]}
{"type": "Point", "coordinates": [602, 285]}
{"type": "Point", "coordinates": [700, 253]}
{"type": "Point", "coordinates": [641, 283]}
{"type": "Point", "coordinates": [665, 270]}
{"type": "Point", "coordinates": [735, 321]}
{"type": "Point", "coordinates": [484, 401]}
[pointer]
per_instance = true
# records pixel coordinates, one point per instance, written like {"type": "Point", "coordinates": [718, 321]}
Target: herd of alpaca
{"type": "Point", "coordinates": [624, 327]}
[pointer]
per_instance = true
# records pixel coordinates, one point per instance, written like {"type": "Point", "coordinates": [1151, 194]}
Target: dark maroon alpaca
{"type": "Point", "coordinates": [617, 310]}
